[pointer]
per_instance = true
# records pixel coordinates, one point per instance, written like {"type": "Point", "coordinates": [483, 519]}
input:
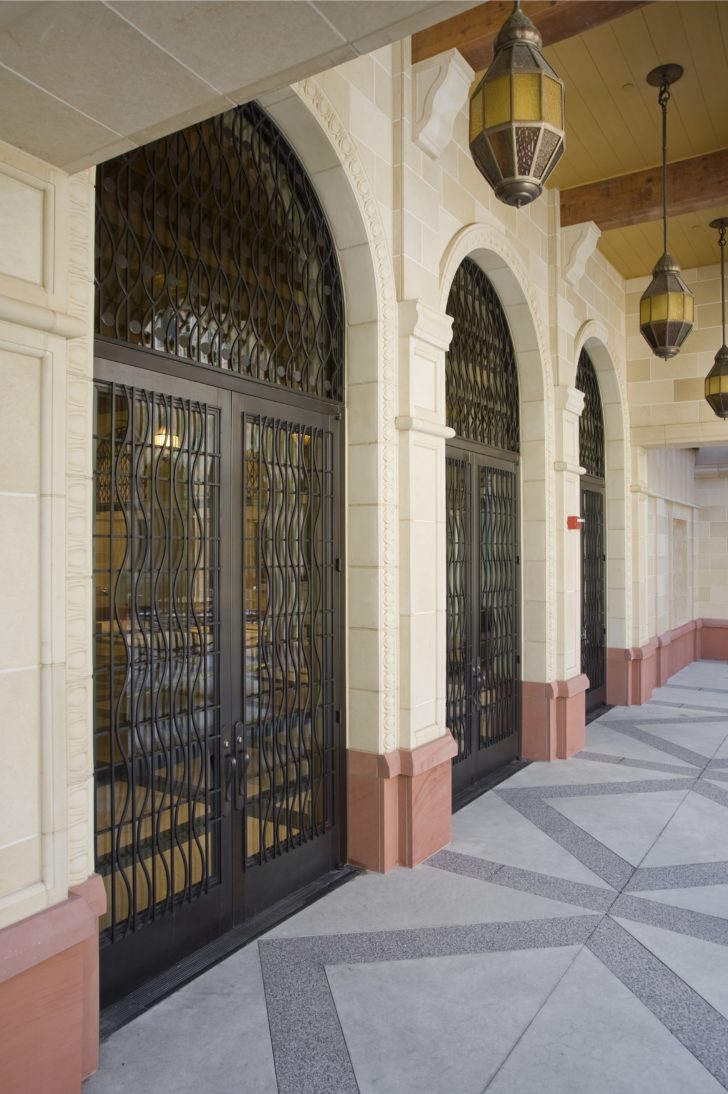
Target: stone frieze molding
{"type": "Point", "coordinates": [489, 247]}
{"type": "Point", "coordinates": [315, 98]}
{"type": "Point", "coordinates": [441, 86]}
{"type": "Point", "coordinates": [79, 531]}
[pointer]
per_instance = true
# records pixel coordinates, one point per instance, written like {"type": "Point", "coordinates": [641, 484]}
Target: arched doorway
{"type": "Point", "coordinates": [593, 553]}
{"type": "Point", "coordinates": [217, 547]}
{"type": "Point", "coordinates": [483, 625]}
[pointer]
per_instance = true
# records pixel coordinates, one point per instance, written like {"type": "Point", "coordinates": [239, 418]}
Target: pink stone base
{"type": "Point", "coordinates": [714, 640]}
{"type": "Point", "coordinates": [49, 995]}
{"type": "Point", "coordinates": [633, 674]}
{"type": "Point", "coordinates": [399, 806]}
{"type": "Point", "coordinates": [553, 718]}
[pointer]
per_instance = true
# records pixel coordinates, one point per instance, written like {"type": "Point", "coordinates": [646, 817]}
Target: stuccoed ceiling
{"type": "Point", "coordinates": [81, 82]}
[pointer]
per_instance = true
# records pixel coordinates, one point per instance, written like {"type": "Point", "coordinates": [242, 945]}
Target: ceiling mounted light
{"type": "Point", "coordinates": [517, 114]}
{"type": "Point", "coordinates": [666, 307]}
{"type": "Point", "coordinates": [716, 382]}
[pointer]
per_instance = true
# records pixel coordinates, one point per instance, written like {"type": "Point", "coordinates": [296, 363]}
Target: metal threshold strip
{"type": "Point", "coordinates": [159, 987]}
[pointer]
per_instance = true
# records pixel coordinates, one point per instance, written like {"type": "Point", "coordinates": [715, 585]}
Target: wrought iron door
{"type": "Point", "coordinates": [217, 758]}
{"type": "Point", "coordinates": [593, 537]}
{"type": "Point", "coordinates": [483, 632]}
{"type": "Point", "coordinates": [592, 594]}
{"type": "Point", "coordinates": [220, 333]}
{"type": "Point", "coordinates": [285, 741]}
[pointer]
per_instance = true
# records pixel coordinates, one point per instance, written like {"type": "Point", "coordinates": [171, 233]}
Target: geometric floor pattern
{"type": "Point", "coordinates": [572, 938]}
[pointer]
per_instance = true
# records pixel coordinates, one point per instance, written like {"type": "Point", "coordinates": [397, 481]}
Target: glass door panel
{"type": "Point", "coordinates": [288, 577]}
{"type": "Point", "coordinates": [593, 614]}
{"type": "Point", "coordinates": [483, 626]}
{"type": "Point", "coordinates": [156, 653]}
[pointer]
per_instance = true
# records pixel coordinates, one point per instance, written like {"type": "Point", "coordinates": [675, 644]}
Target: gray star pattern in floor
{"type": "Point", "coordinates": [572, 937]}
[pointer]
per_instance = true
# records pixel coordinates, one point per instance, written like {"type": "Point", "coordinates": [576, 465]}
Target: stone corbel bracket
{"type": "Point", "coordinates": [440, 90]}
{"type": "Point", "coordinates": [578, 243]}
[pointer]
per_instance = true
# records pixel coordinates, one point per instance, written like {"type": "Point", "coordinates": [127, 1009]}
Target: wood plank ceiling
{"type": "Point", "coordinates": [613, 120]}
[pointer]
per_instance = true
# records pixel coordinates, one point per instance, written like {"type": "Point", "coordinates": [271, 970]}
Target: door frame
{"type": "Point", "coordinates": [161, 942]}
{"type": "Point", "coordinates": [595, 697]}
{"type": "Point", "coordinates": [482, 762]}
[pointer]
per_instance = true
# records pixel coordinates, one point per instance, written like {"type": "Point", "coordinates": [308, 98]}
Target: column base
{"type": "Point", "coordinates": [553, 718]}
{"type": "Point", "coordinates": [399, 805]}
{"type": "Point", "coordinates": [631, 674]}
{"type": "Point", "coordinates": [49, 995]}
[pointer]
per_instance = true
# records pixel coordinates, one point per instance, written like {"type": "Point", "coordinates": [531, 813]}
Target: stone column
{"type": "Point", "coordinates": [404, 796]}
{"type": "Point", "coordinates": [632, 670]}
{"type": "Point", "coordinates": [554, 712]}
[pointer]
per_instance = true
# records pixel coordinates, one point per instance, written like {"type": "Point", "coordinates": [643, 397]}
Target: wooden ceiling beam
{"type": "Point", "coordinates": [698, 183]}
{"type": "Point", "coordinates": [473, 32]}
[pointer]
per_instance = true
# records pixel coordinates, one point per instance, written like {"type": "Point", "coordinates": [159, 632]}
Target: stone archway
{"type": "Point", "coordinates": [540, 697]}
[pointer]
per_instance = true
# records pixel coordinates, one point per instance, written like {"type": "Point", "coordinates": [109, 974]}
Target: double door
{"type": "Point", "coordinates": [483, 625]}
{"type": "Point", "coordinates": [217, 684]}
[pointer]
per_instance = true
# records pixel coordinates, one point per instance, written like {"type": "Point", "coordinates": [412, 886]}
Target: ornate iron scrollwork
{"type": "Point", "coordinates": [481, 381]}
{"type": "Point", "coordinates": [212, 246]}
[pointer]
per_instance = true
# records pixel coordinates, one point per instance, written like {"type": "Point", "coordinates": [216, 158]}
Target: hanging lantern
{"type": "Point", "coordinates": [666, 307]}
{"type": "Point", "coordinates": [517, 115]}
{"type": "Point", "coordinates": [716, 382]}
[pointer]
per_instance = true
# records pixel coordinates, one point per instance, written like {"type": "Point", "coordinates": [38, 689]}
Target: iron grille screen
{"type": "Point", "coordinates": [459, 657]}
{"type": "Point", "coordinates": [480, 376]}
{"type": "Point", "coordinates": [497, 665]}
{"type": "Point", "coordinates": [592, 579]}
{"type": "Point", "coordinates": [591, 423]}
{"type": "Point", "coordinates": [156, 652]}
{"type": "Point", "coordinates": [211, 245]}
{"type": "Point", "coordinates": [288, 581]}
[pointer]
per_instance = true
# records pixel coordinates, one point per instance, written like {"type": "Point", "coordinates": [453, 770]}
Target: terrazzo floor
{"type": "Point", "coordinates": [572, 938]}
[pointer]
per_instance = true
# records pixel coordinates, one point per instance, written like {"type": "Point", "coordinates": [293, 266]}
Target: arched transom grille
{"type": "Point", "coordinates": [212, 246]}
{"type": "Point", "coordinates": [481, 377]}
{"type": "Point", "coordinates": [591, 423]}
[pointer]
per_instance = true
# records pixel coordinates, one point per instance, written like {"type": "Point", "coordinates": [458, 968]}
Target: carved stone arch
{"type": "Point", "coordinates": [317, 134]}
{"type": "Point", "coordinates": [593, 337]}
{"type": "Point", "coordinates": [499, 262]}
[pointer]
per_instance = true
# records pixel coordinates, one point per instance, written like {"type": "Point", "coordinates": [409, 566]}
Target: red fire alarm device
{"type": "Point", "coordinates": [574, 523]}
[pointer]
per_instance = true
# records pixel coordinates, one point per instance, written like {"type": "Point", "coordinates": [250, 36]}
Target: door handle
{"type": "Point", "coordinates": [229, 769]}
{"type": "Point", "coordinates": [242, 760]}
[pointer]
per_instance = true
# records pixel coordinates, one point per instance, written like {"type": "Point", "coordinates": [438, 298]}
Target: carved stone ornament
{"type": "Point", "coordinates": [440, 91]}
{"type": "Point", "coordinates": [579, 241]}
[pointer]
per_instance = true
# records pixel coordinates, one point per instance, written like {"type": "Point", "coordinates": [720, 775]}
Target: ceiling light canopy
{"type": "Point", "coordinates": [517, 114]}
{"type": "Point", "coordinates": [716, 382]}
{"type": "Point", "coordinates": [666, 307]}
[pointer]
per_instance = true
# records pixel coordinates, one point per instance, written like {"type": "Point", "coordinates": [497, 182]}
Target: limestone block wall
{"type": "Point", "coordinates": [45, 591]}
{"type": "Point", "coordinates": [672, 524]}
{"type": "Point", "coordinates": [711, 566]}
{"type": "Point", "coordinates": [667, 404]}
{"type": "Point", "coordinates": [559, 295]}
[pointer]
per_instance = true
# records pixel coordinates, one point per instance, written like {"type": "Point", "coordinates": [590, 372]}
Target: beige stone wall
{"type": "Point", "coordinates": [45, 438]}
{"type": "Point", "coordinates": [711, 567]}
{"type": "Point", "coordinates": [667, 403]}
{"type": "Point", "coordinates": [667, 576]}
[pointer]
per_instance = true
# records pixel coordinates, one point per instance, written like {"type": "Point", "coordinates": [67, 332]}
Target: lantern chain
{"type": "Point", "coordinates": [663, 99]}
{"type": "Point", "coordinates": [721, 244]}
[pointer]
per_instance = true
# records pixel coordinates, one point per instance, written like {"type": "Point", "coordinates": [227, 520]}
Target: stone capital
{"type": "Point", "coordinates": [419, 320]}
